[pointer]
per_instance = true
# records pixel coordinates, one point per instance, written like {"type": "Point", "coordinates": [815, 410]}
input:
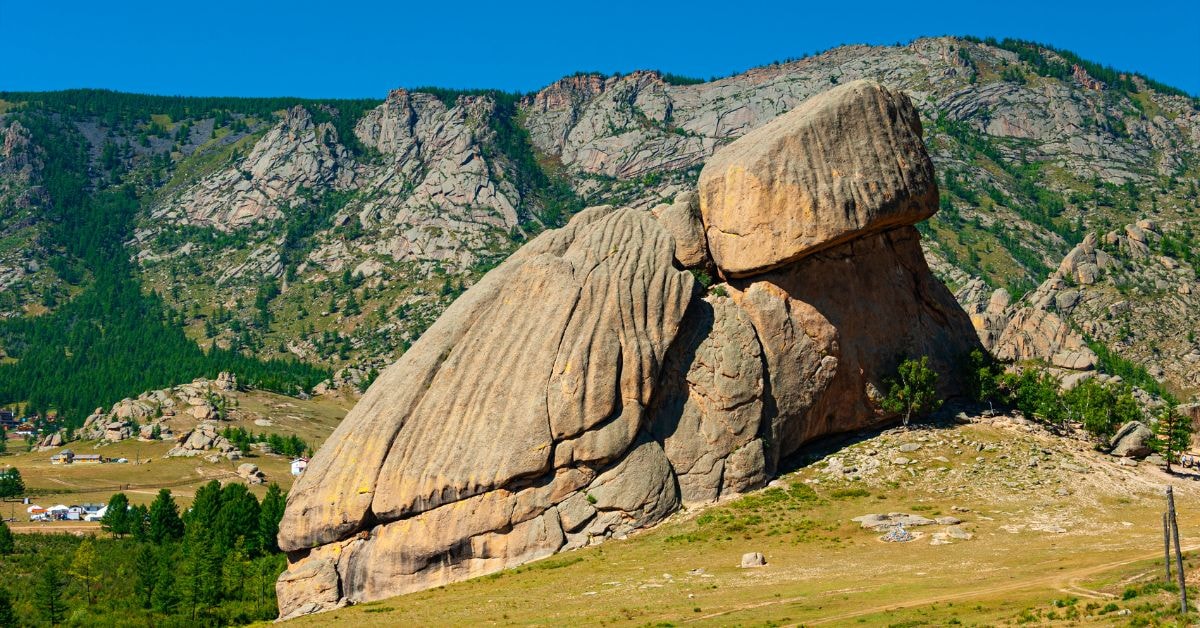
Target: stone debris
{"type": "Point", "coordinates": [880, 522]}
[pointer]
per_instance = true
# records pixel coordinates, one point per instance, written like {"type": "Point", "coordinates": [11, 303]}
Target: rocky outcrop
{"type": "Point", "coordinates": [1033, 329]}
{"type": "Point", "coordinates": [297, 154]}
{"type": "Point", "coordinates": [586, 387]}
{"type": "Point", "coordinates": [835, 325]}
{"type": "Point", "coordinates": [50, 441]}
{"type": "Point", "coordinates": [205, 439]}
{"type": "Point", "coordinates": [845, 164]}
{"type": "Point", "coordinates": [152, 413]}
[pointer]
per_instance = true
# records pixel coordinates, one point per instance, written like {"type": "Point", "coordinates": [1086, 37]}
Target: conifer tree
{"type": "Point", "coordinates": [7, 544]}
{"type": "Point", "coordinates": [8, 617]}
{"type": "Point", "coordinates": [85, 566]}
{"type": "Point", "coordinates": [116, 518]}
{"type": "Point", "coordinates": [49, 594]}
{"type": "Point", "coordinates": [269, 516]}
{"type": "Point", "coordinates": [1174, 432]}
{"type": "Point", "coordinates": [11, 484]}
{"type": "Point", "coordinates": [165, 524]}
{"type": "Point", "coordinates": [146, 575]}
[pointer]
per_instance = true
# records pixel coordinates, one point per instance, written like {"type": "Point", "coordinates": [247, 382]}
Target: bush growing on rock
{"type": "Point", "coordinates": [913, 392]}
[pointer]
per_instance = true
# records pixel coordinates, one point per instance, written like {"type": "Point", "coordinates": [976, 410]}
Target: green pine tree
{"type": "Point", "coordinates": [270, 513]}
{"type": "Point", "coordinates": [165, 524]}
{"type": "Point", "coordinates": [7, 544]}
{"type": "Point", "coordinates": [139, 518]}
{"type": "Point", "coordinates": [145, 575]}
{"type": "Point", "coordinates": [116, 518]}
{"type": "Point", "coordinates": [8, 617]}
{"type": "Point", "coordinates": [48, 595]}
{"type": "Point", "coordinates": [11, 484]}
{"type": "Point", "coordinates": [85, 567]}
{"type": "Point", "coordinates": [1174, 432]}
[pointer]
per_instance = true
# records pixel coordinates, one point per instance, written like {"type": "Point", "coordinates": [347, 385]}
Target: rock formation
{"type": "Point", "coordinates": [587, 387]}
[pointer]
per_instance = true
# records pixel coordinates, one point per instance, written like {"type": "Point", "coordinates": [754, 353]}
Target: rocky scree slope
{"type": "Point", "coordinates": [517, 427]}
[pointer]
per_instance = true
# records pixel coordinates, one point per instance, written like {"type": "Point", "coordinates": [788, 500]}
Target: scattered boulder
{"type": "Point", "coordinates": [1132, 440]}
{"type": "Point", "coordinates": [753, 559]}
{"type": "Point", "coordinates": [250, 472]}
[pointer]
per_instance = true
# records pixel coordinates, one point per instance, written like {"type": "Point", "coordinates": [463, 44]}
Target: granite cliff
{"type": "Point", "coordinates": [589, 386]}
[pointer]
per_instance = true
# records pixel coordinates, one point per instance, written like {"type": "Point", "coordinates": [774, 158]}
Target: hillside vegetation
{"type": "Point", "coordinates": [348, 226]}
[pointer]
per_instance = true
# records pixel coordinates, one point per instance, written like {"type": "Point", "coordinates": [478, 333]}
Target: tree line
{"type": "Point", "coordinates": [113, 339]}
{"type": "Point", "coordinates": [215, 564]}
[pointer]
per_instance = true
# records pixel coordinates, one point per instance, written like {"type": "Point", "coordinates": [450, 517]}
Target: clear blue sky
{"type": "Point", "coordinates": [346, 48]}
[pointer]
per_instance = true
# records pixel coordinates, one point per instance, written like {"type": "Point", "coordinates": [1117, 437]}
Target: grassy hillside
{"type": "Point", "coordinates": [1060, 534]}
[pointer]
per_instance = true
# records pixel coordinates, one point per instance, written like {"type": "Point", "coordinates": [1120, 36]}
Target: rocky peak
{"type": "Point", "coordinates": [294, 155]}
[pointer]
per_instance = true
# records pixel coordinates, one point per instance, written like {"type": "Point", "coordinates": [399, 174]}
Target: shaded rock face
{"type": "Point", "coordinates": [587, 388]}
{"type": "Point", "coordinates": [835, 325]}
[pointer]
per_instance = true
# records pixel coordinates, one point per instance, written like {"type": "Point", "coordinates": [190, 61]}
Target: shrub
{"type": "Point", "coordinates": [913, 391]}
{"type": "Point", "coordinates": [1035, 393]}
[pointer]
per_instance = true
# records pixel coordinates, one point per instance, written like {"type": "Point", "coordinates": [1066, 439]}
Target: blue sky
{"type": "Point", "coordinates": [353, 48]}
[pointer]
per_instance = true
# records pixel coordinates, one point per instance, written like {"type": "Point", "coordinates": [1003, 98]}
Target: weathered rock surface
{"type": "Point", "coordinates": [833, 326]}
{"type": "Point", "coordinates": [710, 403]}
{"type": "Point", "coordinates": [1132, 440]}
{"type": "Point", "coordinates": [682, 220]}
{"type": "Point", "coordinates": [846, 163]}
{"type": "Point", "coordinates": [586, 388]}
{"type": "Point", "coordinates": [506, 407]}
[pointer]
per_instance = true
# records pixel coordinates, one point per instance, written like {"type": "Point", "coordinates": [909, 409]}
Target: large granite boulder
{"type": "Point", "coordinates": [835, 325]}
{"type": "Point", "coordinates": [525, 391]}
{"type": "Point", "coordinates": [1132, 440]}
{"type": "Point", "coordinates": [844, 164]}
{"type": "Point", "coordinates": [587, 387]}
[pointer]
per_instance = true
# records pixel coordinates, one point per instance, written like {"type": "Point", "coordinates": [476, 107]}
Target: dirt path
{"type": "Point", "coordinates": [40, 528]}
{"type": "Point", "coordinates": [1055, 581]}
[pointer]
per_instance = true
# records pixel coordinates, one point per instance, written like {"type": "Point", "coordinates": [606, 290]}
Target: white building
{"type": "Point", "coordinates": [299, 465]}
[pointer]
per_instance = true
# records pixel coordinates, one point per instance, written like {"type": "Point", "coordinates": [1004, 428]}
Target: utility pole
{"type": "Point", "coordinates": [1167, 544]}
{"type": "Point", "coordinates": [1178, 552]}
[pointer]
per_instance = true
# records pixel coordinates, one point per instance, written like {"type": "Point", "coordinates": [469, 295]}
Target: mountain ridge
{"type": "Point", "coordinates": [1033, 152]}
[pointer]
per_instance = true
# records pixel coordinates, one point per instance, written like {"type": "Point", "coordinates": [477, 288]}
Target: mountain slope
{"type": "Point", "coordinates": [335, 232]}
